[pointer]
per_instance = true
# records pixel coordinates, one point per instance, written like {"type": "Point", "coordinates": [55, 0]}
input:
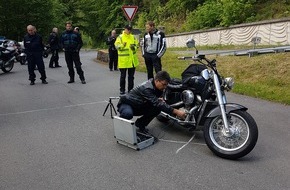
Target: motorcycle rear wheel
{"type": "Point", "coordinates": [8, 68]}
{"type": "Point", "coordinates": [243, 138]}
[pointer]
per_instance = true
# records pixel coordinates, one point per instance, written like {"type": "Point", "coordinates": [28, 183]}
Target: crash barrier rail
{"type": "Point", "coordinates": [248, 52]}
{"type": "Point", "coordinates": [253, 52]}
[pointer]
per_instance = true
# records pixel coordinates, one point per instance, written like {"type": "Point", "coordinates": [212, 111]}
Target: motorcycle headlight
{"type": "Point", "coordinates": [205, 74]}
{"type": "Point", "coordinates": [187, 97]}
{"type": "Point", "coordinates": [229, 83]}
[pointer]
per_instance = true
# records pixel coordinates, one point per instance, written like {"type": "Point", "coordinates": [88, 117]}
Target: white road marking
{"type": "Point", "coordinates": [47, 109]}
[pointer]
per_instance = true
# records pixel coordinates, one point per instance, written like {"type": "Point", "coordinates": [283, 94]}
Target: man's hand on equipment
{"type": "Point", "coordinates": [181, 114]}
{"type": "Point", "coordinates": [161, 99]}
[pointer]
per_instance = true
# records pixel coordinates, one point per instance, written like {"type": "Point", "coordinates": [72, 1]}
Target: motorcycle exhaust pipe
{"type": "Point", "coordinates": [177, 105]}
{"type": "Point", "coordinates": [167, 116]}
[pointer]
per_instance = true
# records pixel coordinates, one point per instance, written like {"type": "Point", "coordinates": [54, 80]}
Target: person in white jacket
{"type": "Point", "coordinates": [153, 48]}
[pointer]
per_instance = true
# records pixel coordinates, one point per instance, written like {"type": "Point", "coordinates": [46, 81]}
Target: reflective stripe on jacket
{"type": "Point", "coordinates": [127, 58]}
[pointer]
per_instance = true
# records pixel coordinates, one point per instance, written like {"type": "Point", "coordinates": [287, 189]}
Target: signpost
{"type": "Point", "coordinates": [129, 11]}
{"type": "Point", "coordinates": [255, 41]}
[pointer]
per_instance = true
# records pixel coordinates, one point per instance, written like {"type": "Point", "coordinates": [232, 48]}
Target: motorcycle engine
{"type": "Point", "coordinates": [187, 98]}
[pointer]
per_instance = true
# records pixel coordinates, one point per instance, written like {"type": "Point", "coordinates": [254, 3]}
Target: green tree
{"type": "Point", "coordinates": [17, 14]}
{"type": "Point", "coordinates": [205, 16]}
{"type": "Point", "coordinates": [236, 11]}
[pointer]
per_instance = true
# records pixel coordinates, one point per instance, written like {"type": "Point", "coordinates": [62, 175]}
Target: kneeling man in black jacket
{"type": "Point", "coordinates": [145, 100]}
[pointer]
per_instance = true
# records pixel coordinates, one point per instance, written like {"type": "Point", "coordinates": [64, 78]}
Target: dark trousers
{"type": "Point", "coordinates": [131, 72]}
{"type": "Point", "coordinates": [148, 113]}
{"type": "Point", "coordinates": [152, 61]}
{"type": "Point", "coordinates": [54, 58]}
{"type": "Point", "coordinates": [113, 55]}
{"type": "Point", "coordinates": [71, 58]}
{"type": "Point", "coordinates": [35, 59]}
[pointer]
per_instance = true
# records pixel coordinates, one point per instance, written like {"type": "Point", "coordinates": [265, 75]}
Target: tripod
{"type": "Point", "coordinates": [111, 106]}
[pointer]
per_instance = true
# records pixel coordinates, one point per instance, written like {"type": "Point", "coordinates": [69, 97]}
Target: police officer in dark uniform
{"type": "Point", "coordinates": [53, 41]}
{"type": "Point", "coordinates": [72, 43]}
{"type": "Point", "coordinates": [34, 48]}
{"type": "Point", "coordinates": [113, 53]}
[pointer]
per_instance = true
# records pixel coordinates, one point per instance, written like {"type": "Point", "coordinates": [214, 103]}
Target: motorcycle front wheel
{"type": "Point", "coordinates": [241, 139]}
{"type": "Point", "coordinates": [7, 68]}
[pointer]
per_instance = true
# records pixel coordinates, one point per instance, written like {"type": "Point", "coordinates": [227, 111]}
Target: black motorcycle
{"type": "Point", "coordinates": [7, 58]}
{"type": "Point", "coordinates": [229, 130]}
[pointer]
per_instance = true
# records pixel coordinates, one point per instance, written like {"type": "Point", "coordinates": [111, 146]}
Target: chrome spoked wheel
{"type": "Point", "coordinates": [237, 137]}
{"type": "Point", "coordinates": [238, 142]}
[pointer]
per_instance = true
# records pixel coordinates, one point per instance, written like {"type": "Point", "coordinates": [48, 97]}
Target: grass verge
{"type": "Point", "coordinates": [264, 76]}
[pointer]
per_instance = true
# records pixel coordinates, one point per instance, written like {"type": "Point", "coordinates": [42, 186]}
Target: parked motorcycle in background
{"type": "Point", "coordinates": [7, 57]}
{"type": "Point", "coordinates": [20, 54]}
{"type": "Point", "coordinates": [229, 130]}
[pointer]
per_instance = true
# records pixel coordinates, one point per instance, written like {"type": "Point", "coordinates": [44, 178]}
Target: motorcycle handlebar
{"type": "Point", "coordinates": [199, 58]}
{"type": "Point", "coordinates": [191, 58]}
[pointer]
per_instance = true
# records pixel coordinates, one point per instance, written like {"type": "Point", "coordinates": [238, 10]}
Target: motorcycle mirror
{"type": "Point", "coordinates": [190, 43]}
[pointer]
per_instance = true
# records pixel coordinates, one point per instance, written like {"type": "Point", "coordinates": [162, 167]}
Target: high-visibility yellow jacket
{"type": "Point", "coordinates": [127, 46]}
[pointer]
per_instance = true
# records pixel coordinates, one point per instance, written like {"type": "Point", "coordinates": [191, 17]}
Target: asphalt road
{"type": "Point", "coordinates": [54, 137]}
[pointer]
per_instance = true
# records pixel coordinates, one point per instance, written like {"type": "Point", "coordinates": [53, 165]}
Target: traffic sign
{"type": "Point", "coordinates": [130, 11]}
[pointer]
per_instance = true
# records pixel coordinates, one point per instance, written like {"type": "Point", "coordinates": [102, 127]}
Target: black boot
{"type": "Point", "coordinates": [71, 81]}
{"type": "Point", "coordinates": [51, 65]}
{"type": "Point", "coordinates": [32, 82]}
{"type": "Point", "coordinates": [57, 65]}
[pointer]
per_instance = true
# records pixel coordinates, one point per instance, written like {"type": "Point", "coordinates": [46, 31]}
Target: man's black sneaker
{"type": "Point", "coordinates": [44, 82]}
{"type": "Point", "coordinates": [32, 83]}
{"type": "Point", "coordinates": [83, 82]}
{"type": "Point", "coordinates": [122, 93]}
{"type": "Point", "coordinates": [51, 66]}
{"type": "Point", "coordinates": [58, 66]}
{"type": "Point", "coordinates": [71, 81]}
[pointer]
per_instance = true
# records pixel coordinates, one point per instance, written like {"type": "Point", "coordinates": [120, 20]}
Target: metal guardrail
{"type": "Point", "coordinates": [253, 52]}
{"type": "Point", "coordinates": [248, 52]}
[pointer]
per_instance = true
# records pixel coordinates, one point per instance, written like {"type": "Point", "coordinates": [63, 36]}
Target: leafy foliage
{"type": "Point", "coordinates": [236, 11]}
{"type": "Point", "coordinates": [205, 16]}
{"type": "Point", "coordinates": [17, 14]}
